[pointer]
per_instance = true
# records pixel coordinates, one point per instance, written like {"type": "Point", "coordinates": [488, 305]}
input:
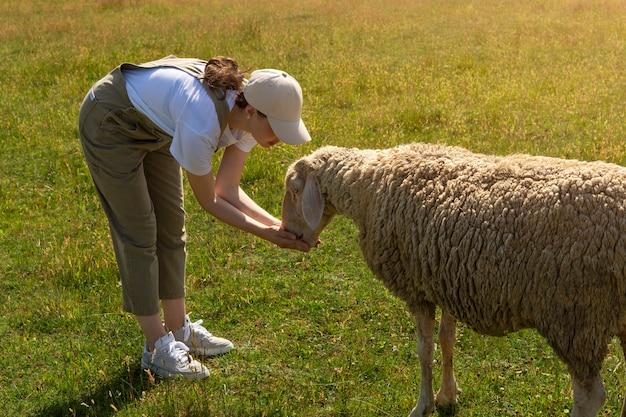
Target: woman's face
{"type": "Point", "coordinates": [261, 130]}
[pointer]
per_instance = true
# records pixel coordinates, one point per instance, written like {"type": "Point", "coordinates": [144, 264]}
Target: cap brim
{"type": "Point", "coordinates": [291, 133]}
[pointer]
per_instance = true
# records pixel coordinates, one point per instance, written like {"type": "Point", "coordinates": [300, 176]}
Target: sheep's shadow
{"type": "Point", "coordinates": [125, 387]}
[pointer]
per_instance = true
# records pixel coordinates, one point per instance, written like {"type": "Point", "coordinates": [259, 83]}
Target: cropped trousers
{"type": "Point", "coordinates": [140, 188]}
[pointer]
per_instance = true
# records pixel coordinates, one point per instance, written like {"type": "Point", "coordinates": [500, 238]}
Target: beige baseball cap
{"type": "Point", "coordinates": [279, 96]}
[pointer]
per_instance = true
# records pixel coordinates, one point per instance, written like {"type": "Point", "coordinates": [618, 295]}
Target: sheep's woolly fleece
{"type": "Point", "coordinates": [502, 243]}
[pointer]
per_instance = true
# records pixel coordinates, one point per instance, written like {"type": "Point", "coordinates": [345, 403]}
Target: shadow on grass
{"type": "Point", "coordinates": [127, 386]}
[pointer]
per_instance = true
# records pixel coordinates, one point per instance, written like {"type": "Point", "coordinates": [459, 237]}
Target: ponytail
{"type": "Point", "coordinates": [221, 74]}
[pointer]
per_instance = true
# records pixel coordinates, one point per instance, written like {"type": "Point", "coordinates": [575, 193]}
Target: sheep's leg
{"type": "Point", "coordinates": [446, 397]}
{"type": "Point", "coordinates": [589, 396]}
{"type": "Point", "coordinates": [622, 338]}
{"type": "Point", "coordinates": [425, 321]}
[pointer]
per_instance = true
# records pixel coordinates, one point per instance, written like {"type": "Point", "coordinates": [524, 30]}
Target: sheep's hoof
{"type": "Point", "coordinates": [422, 410]}
{"type": "Point", "coordinates": [447, 410]}
{"type": "Point", "coordinates": [447, 398]}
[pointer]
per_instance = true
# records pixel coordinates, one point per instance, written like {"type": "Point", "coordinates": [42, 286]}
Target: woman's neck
{"type": "Point", "coordinates": [237, 119]}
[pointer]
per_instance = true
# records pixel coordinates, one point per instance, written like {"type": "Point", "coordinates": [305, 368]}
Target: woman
{"type": "Point", "coordinates": [138, 126]}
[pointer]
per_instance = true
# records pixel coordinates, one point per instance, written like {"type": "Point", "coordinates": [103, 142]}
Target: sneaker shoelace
{"type": "Point", "coordinates": [180, 352]}
{"type": "Point", "coordinates": [197, 328]}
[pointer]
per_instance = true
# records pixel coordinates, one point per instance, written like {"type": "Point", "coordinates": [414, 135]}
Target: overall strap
{"type": "Point", "coordinates": [189, 65]}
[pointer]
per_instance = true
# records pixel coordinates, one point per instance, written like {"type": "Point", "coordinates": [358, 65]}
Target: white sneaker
{"type": "Point", "coordinates": [200, 341]}
{"type": "Point", "coordinates": [171, 358]}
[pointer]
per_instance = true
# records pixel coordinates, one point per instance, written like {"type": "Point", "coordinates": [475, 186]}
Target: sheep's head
{"type": "Point", "coordinates": [305, 212]}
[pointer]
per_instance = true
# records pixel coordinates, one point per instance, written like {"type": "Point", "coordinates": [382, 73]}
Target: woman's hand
{"type": "Point", "coordinates": [285, 239]}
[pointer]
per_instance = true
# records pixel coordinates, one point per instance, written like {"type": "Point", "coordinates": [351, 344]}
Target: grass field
{"type": "Point", "coordinates": [316, 334]}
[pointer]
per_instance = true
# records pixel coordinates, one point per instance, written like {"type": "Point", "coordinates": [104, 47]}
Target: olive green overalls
{"type": "Point", "coordinates": [140, 187]}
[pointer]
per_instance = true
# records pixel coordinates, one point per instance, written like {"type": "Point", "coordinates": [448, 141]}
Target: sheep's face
{"type": "Point", "coordinates": [304, 211]}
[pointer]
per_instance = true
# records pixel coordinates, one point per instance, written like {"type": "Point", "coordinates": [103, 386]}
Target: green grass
{"type": "Point", "coordinates": [316, 334]}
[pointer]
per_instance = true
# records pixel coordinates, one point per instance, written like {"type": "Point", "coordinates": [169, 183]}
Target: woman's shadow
{"type": "Point", "coordinates": [129, 384]}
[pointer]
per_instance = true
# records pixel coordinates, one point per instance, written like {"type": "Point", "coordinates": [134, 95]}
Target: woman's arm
{"type": "Point", "coordinates": [204, 190]}
{"type": "Point", "coordinates": [227, 186]}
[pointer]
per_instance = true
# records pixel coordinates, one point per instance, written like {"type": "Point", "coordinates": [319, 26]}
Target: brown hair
{"type": "Point", "coordinates": [222, 73]}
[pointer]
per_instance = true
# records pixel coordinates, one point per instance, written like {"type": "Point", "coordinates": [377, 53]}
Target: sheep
{"type": "Point", "coordinates": [498, 243]}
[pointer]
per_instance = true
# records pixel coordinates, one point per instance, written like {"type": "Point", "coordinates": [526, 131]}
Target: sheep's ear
{"type": "Point", "coordinates": [312, 202]}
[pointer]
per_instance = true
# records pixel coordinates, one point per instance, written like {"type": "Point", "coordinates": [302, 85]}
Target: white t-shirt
{"type": "Point", "coordinates": [178, 103]}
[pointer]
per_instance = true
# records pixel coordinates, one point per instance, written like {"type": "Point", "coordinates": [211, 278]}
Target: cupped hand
{"type": "Point", "coordinates": [286, 240]}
